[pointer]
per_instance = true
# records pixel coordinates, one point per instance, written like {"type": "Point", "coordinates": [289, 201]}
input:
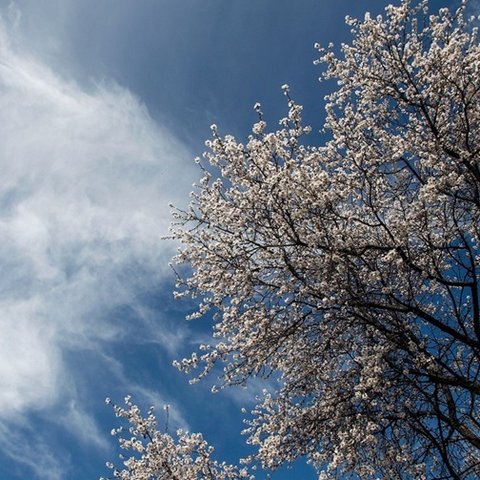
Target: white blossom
{"type": "Point", "coordinates": [349, 272]}
{"type": "Point", "coordinates": [345, 269]}
{"type": "Point", "coordinates": [160, 456]}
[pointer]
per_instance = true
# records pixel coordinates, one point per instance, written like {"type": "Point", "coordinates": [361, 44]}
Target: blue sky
{"type": "Point", "coordinates": [103, 106]}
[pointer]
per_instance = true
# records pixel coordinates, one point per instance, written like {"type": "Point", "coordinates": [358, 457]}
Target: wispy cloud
{"type": "Point", "coordinates": [86, 178]}
{"type": "Point", "coordinates": [147, 397]}
{"type": "Point", "coordinates": [81, 423]}
{"type": "Point", "coordinates": [26, 447]}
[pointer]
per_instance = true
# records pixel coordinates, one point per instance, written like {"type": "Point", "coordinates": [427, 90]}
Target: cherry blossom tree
{"type": "Point", "coordinates": [349, 272]}
{"type": "Point", "coordinates": [157, 455]}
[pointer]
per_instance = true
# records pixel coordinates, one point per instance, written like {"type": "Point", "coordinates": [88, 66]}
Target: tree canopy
{"type": "Point", "coordinates": [350, 271]}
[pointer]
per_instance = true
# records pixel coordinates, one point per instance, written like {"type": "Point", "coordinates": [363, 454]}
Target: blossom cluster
{"type": "Point", "coordinates": [351, 270]}
{"type": "Point", "coordinates": [154, 454]}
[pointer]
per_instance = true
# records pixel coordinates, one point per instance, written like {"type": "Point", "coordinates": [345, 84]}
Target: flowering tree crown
{"type": "Point", "coordinates": [351, 270]}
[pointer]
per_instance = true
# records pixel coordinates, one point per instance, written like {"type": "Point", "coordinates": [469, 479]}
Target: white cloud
{"type": "Point", "coordinates": [146, 397]}
{"type": "Point", "coordinates": [82, 424]}
{"type": "Point", "coordinates": [85, 180]}
{"type": "Point", "coordinates": [29, 364]}
{"type": "Point", "coordinates": [26, 447]}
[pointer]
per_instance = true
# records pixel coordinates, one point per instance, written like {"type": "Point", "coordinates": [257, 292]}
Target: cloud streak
{"type": "Point", "coordinates": [86, 177]}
